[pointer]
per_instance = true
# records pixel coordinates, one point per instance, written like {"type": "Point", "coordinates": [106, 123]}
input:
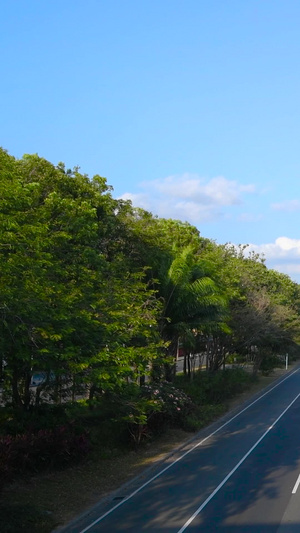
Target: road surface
{"type": "Point", "coordinates": [241, 475]}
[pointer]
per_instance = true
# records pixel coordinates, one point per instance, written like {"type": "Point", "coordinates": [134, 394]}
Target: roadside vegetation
{"type": "Point", "coordinates": [44, 499]}
{"type": "Point", "coordinates": [100, 299]}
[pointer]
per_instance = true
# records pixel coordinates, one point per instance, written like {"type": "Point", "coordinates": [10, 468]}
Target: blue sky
{"type": "Point", "coordinates": [189, 108]}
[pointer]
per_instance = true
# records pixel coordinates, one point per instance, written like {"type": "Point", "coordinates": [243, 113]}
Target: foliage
{"type": "Point", "coordinates": [174, 404]}
{"type": "Point", "coordinates": [33, 452]}
{"type": "Point", "coordinates": [99, 295]}
{"type": "Point", "coordinates": [215, 388]}
{"type": "Point", "coordinates": [45, 417]}
{"type": "Point", "coordinates": [203, 416]}
{"type": "Point", "coordinates": [70, 303]}
{"type": "Point", "coordinates": [269, 363]}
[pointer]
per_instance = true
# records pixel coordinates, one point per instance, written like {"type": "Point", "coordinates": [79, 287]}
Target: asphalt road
{"type": "Point", "coordinates": [241, 475]}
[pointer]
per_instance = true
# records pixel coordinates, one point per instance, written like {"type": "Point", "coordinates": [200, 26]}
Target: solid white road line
{"type": "Point", "coordinates": [234, 469]}
{"type": "Point", "coordinates": [182, 456]}
{"type": "Point", "coordinates": [296, 485]}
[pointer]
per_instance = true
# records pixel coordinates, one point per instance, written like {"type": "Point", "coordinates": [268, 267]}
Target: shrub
{"type": "Point", "coordinates": [17, 421]}
{"type": "Point", "coordinates": [174, 403]}
{"type": "Point", "coordinates": [32, 452]}
{"type": "Point", "coordinates": [174, 406]}
{"type": "Point", "coordinates": [149, 410]}
{"type": "Point", "coordinates": [269, 363]}
{"type": "Point", "coordinates": [217, 387]}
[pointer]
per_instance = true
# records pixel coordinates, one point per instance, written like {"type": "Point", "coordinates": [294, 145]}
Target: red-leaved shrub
{"type": "Point", "coordinates": [33, 452]}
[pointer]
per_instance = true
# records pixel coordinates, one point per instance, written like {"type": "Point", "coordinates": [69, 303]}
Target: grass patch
{"type": "Point", "coordinates": [203, 416]}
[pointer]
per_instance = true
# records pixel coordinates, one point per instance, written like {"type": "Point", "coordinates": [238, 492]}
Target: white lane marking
{"type": "Point", "coordinates": [296, 485]}
{"type": "Point", "coordinates": [234, 469]}
{"type": "Point", "coordinates": [182, 456]}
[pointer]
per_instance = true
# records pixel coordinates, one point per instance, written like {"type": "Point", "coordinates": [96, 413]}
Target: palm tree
{"type": "Point", "coordinates": [192, 300]}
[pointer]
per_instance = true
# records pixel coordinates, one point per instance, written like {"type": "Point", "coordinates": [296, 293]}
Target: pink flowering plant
{"type": "Point", "coordinates": [173, 401]}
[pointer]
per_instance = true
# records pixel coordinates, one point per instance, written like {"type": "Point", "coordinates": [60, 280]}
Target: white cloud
{"type": "Point", "coordinates": [283, 247]}
{"type": "Point", "coordinates": [138, 200]}
{"type": "Point", "coordinates": [282, 255]}
{"type": "Point", "coordinates": [249, 188]}
{"type": "Point", "coordinates": [186, 210]}
{"type": "Point", "coordinates": [190, 197]}
{"type": "Point", "coordinates": [291, 205]}
{"type": "Point", "coordinates": [216, 191]}
{"type": "Point", "coordinates": [223, 192]}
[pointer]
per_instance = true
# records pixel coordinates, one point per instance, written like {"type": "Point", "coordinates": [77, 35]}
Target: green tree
{"type": "Point", "coordinates": [66, 290]}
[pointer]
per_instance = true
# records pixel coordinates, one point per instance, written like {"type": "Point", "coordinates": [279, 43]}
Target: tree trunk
{"type": "Point", "coordinates": [26, 395]}
{"type": "Point", "coordinates": [256, 364]}
{"type": "Point", "coordinates": [169, 372]}
{"type": "Point", "coordinates": [184, 364]}
{"type": "Point", "coordinates": [189, 365]}
{"type": "Point", "coordinates": [38, 396]}
{"type": "Point", "coordinates": [91, 396]}
{"type": "Point", "coordinates": [17, 401]}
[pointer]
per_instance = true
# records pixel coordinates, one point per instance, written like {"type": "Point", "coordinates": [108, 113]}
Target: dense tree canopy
{"type": "Point", "coordinates": [95, 292]}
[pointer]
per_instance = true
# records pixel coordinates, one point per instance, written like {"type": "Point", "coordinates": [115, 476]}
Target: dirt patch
{"type": "Point", "coordinates": [64, 495]}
